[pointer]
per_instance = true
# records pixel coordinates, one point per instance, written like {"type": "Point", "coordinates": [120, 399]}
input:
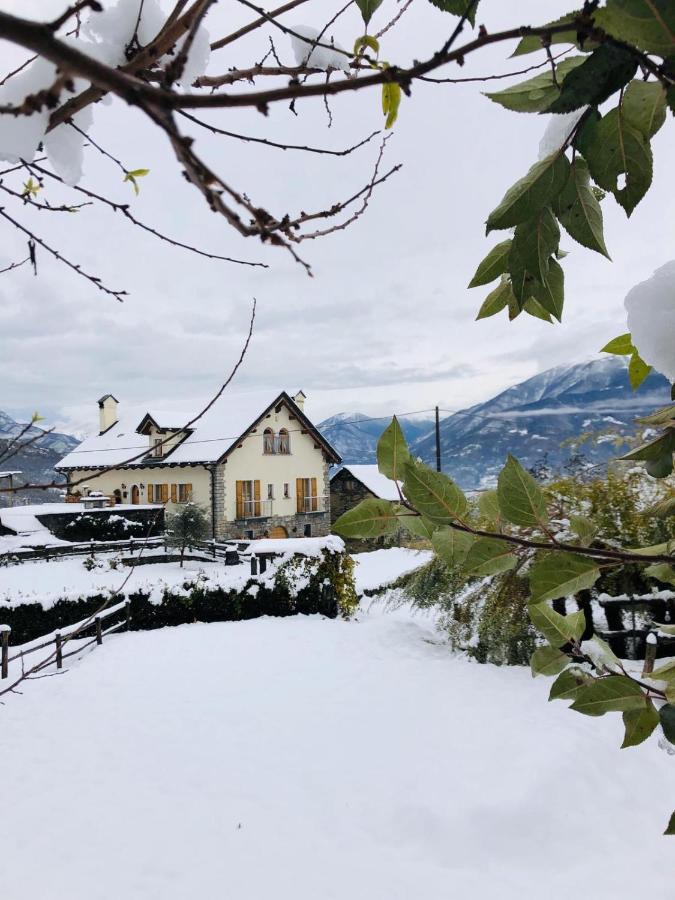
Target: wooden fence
{"type": "Point", "coordinates": [82, 548]}
{"type": "Point", "coordinates": [62, 636]}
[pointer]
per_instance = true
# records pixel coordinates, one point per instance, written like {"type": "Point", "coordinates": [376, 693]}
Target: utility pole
{"type": "Point", "coordinates": [438, 441]}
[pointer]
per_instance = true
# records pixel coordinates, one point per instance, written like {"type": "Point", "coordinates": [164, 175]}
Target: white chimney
{"type": "Point", "coordinates": [107, 412]}
{"type": "Point", "coordinates": [299, 400]}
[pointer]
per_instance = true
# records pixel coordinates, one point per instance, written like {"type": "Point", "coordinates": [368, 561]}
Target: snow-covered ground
{"type": "Point", "coordinates": [379, 567]}
{"type": "Point", "coordinates": [306, 758]}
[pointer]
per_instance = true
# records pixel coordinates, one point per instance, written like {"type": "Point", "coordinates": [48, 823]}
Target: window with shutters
{"type": "Point", "coordinates": [158, 493]}
{"type": "Point", "coordinates": [184, 493]}
{"type": "Point", "coordinates": [307, 496]}
{"type": "Point", "coordinates": [248, 499]}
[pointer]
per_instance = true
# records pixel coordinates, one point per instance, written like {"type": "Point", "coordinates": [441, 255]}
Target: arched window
{"type": "Point", "coordinates": [268, 441]}
{"type": "Point", "coordinates": [284, 441]}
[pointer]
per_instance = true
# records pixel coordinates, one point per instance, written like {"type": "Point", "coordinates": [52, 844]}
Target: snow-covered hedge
{"type": "Point", "coordinates": [314, 585]}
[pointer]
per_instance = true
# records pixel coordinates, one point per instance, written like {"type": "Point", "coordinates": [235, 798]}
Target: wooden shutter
{"type": "Point", "coordinates": [256, 497]}
{"type": "Point", "coordinates": [150, 497]}
{"type": "Point", "coordinates": [315, 499]}
{"type": "Point", "coordinates": [188, 493]}
{"type": "Point", "coordinates": [300, 494]}
{"type": "Point", "coordinates": [240, 499]}
{"type": "Point", "coordinates": [174, 493]}
{"type": "Point", "coordinates": [165, 493]}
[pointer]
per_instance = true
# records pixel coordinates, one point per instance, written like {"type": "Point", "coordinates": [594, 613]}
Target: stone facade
{"type": "Point", "coordinates": [345, 492]}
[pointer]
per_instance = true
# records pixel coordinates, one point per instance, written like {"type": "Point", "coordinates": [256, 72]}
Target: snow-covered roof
{"type": "Point", "coordinates": [371, 478]}
{"type": "Point", "coordinates": [211, 438]}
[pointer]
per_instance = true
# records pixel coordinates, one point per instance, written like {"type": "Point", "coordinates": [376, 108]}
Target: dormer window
{"type": "Point", "coordinates": [157, 448]}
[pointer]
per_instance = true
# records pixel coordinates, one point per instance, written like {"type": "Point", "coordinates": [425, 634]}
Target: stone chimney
{"type": "Point", "coordinates": [107, 412]}
{"type": "Point", "coordinates": [299, 400]}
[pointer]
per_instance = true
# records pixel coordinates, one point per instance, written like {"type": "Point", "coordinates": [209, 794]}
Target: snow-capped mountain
{"type": "Point", "coordinates": [35, 461]}
{"type": "Point", "coordinates": [567, 418]}
{"type": "Point", "coordinates": [355, 435]}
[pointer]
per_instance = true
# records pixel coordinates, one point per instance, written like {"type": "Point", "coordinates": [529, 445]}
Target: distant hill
{"type": "Point", "coordinates": [355, 435]}
{"type": "Point", "coordinates": [537, 421]}
{"type": "Point", "coordinates": [35, 462]}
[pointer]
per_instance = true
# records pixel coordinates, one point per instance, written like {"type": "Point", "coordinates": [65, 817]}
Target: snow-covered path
{"type": "Point", "coordinates": [306, 759]}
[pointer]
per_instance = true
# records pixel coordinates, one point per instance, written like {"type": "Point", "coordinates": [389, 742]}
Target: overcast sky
{"type": "Point", "coordinates": [386, 324]}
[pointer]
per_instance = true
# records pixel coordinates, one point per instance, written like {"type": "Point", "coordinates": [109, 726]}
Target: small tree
{"type": "Point", "coordinates": [186, 528]}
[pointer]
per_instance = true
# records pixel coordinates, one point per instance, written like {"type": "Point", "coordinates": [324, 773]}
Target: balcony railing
{"type": "Point", "coordinates": [312, 504]}
{"type": "Point", "coordinates": [254, 509]}
{"type": "Point", "coordinates": [277, 444]}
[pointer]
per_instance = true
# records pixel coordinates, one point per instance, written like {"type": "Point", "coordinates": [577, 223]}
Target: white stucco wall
{"type": "Point", "coordinates": [248, 463]}
{"type": "Point", "coordinates": [198, 476]}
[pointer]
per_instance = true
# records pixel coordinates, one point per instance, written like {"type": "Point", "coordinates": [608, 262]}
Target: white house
{"type": "Point", "coordinates": [256, 464]}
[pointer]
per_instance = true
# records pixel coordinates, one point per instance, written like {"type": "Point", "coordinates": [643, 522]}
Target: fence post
{"type": "Point", "coordinates": [254, 565]}
{"type": "Point", "coordinates": [99, 633]}
{"type": "Point", "coordinates": [650, 653]}
{"type": "Point", "coordinates": [5, 650]}
{"type": "Point", "coordinates": [263, 564]}
{"type": "Point", "coordinates": [127, 614]}
{"type": "Point", "coordinates": [59, 650]}
{"type": "Point", "coordinates": [214, 548]}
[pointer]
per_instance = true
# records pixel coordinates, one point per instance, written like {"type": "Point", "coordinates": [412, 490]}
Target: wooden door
{"type": "Point", "coordinates": [278, 532]}
{"type": "Point", "coordinates": [135, 494]}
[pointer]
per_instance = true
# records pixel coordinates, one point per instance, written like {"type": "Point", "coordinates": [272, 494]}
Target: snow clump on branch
{"type": "Point", "coordinates": [318, 57]}
{"type": "Point", "coordinates": [651, 319]}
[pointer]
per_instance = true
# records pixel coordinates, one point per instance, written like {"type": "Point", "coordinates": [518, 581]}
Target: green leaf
{"type": "Point", "coordinates": [584, 528]}
{"type": "Point", "coordinates": [433, 494]}
{"type": "Point", "coordinates": [558, 630]}
{"type": "Point", "coordinates": [568, 684]}
{"type": "Point", "coordinates": [535, 94]}
{"type": "Point", "coordinates": [367, 8]}
{"type": "Point", "coordinates": [603, 73]}
{"type": "Point", "coordinates": [644, 106]}
{"type": "Point", "coordinates": [521, 500]}
{"type": "Point", "coordinates": [555, 575]}
{"type": "Point", "coordinates": [392, 451]}
{"type": "Point", "coordinates": [366, 40]}
{"type": "Point", "coordinates": [542, 184]}
{"type": "Point", "coordinates": [621, 346]}
{"type": "Point", "coordinates": [650, 24]}
{"type": "Point", "coordinates": [494, 265]}
{"type": "Point", "coordinates": [489, 556]}
{"type": "Point", "coordinates": [612, 148]}
{"type": "Point", "coordinates": [667, 717]}
{"type": "Point", "coordinates": [548, 661]}
{"type": "Point", "coordinates": [639, 724]}
{"type": "Point", "coordinates": [551, 294]}
{"type": "Point", "coordinates": [496, 300]}
{"type": "Point", "coordinates": [670, 827]}
{"type": "Point", "coordinates": [534, 308]}
{"type": "Point", "coordinates": [660, 468]}
{"type": "Point", "coordinates": [371, 518]}
{"type": "Point", "coordinates": [579, 210]}
{"type": "Point", "coordinates": [534, 42]}
{"type": "Point", "coordinates": [452, 546]}
{"type": "Point", "coordinates": [662, 572]}
{"type": "Point", "coordinates": [655, 449]}
{"type": "Point", "coordinates": [637, 370]}
{"type": "Point", "coordinates": [615, 693]}
{"type": "Point", "coordinates": [488, 506]}
{"type": "Point", "coordinates": [416, 525]}
{"type": "Point", "coordinates": [391, 100]}
{"type": "Point", "coordinates": [533, 244]}
{"type": "Point", "coordinates": [457, 8]}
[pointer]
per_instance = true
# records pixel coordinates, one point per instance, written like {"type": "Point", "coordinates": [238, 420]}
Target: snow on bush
{"type": "Point", "coordinates": [105, 36]}
{"type": "Point", "coordinates": [319, 57]}
{"type": "Point", "coordinates": [651, 319]}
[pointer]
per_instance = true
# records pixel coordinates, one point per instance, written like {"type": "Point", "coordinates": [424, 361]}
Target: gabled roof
{"type": "Point", "coordinates": [210, 439]}
{"type": "Point", "coordinates": [373, 480]}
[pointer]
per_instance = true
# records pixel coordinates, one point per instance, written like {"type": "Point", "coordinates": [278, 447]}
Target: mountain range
{"type": "Point", "coordinates": [567, 419]}
{"type": "Point", "coordinates": [38, 453]}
